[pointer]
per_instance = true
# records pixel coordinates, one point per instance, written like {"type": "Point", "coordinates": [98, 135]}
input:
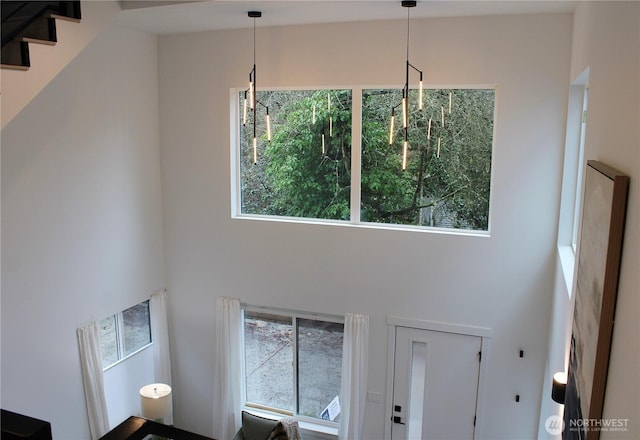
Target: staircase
{"type": "Point", "coordinates": [25, 22]}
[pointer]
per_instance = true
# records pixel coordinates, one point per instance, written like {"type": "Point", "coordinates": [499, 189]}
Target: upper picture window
{"type": "Point", "coordinates": [305, 170]}
{"type": "Point", "coordinates": [447, 175]}
{"type": "Point", "coordinates": [300, 165]}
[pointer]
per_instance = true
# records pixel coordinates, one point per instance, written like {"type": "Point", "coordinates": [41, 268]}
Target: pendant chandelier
{"type": "Point", "coordinates": [251, 97]}
{"type": "Point", "coordinates": [324, 126]}
{"type": "Point", "coordinates": [405, 96]}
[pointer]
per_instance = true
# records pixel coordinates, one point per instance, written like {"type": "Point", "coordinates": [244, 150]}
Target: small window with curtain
{"type": "Point", "coordinates": [125, 333]}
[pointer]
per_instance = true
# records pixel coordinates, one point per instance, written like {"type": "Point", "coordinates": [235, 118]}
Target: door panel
{"type": "Point", "coordinates": [435, 384]}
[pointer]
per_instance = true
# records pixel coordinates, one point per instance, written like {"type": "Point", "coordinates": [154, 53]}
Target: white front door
{"type": "Point", "coordinates": [435, 384]}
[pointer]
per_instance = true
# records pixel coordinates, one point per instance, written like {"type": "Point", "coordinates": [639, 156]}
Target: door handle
{"type": "Point", "coordinates": [398, 420]}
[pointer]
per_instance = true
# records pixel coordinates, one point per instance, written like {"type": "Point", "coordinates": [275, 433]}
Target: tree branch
{"type": "Point", "coordinates": [414, 206]}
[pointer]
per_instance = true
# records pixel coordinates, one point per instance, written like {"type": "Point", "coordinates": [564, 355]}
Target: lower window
{"type": "Point", "coordinates": [293, 364]}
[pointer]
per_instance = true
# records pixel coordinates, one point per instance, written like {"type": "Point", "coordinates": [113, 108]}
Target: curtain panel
{"type": "Point", "coordinates": [355, 360]}
{"type": "Point", "coordinates": [92, 377]}
{"type": "Point", "coordinates": [160, 338]}
{"type": "Point", "coordinates": [227, 379]}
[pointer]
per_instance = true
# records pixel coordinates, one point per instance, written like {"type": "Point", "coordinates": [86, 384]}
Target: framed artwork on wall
{"type": "Point", "coordinates": [598, 259]}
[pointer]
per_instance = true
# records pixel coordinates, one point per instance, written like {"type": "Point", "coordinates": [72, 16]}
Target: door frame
{"type": "Point", "coordinates": [393, 322]}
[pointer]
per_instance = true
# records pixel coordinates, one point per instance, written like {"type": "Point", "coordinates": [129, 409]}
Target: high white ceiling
{"type": "Point", "coordinates": [171, 17]}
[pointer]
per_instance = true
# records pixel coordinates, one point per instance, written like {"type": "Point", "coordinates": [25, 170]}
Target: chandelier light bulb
{"type": "Point", "coordinates": [251, 95]}
{"type": "Point", "coordinates": [268, 126]}
{"type": "Point", "coordinates": [405, 116]}
{"type": "Point", "coordinates": [244, 109]}
{"type": "Point", "coordinates": [391, 126]}
{"type": "Point", "coordinates": [255, 151]}
{"type": "Point", "coordinates": [405, 150]}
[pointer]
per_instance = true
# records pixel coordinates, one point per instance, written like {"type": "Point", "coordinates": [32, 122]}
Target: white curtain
{"type": "Point", "coordinates": [91, 363]}
{"type": "Point", "coordinates": [355, 369]}
{"type": "Point", "coordinates": [160, 338]}
{"type": "Point", "coordinates": [227, 377]}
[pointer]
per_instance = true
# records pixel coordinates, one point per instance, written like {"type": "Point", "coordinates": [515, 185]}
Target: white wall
{"type": "Point", "coordinates": [606, 40]}
{"type": "Point", "coordinates": [81, 221]}
{"type": "Point", "coordinates": [503, 282]}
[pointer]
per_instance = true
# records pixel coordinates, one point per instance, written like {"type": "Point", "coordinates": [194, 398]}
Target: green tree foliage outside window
{"type": "Point", "coordinates": [293, 176]}
{"type": "Point", "coordinates": [447, 179]}
{"type": "Point", "coordinates": [296, 176]}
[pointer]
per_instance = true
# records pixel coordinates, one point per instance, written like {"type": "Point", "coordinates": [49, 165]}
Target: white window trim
{"type": "Point", "coordinates": [356, 150]}
{"type": "Point", "coordinates": [306, 423]}
{"type": "Point", "coordinates": [573, 180]}
{"type": "Point", "coordinates": [119, 361]}
{"type": "Point", "coordinates": [581, 165]}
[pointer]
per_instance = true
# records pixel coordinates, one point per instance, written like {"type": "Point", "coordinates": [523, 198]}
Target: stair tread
{"type": "Point", "coordinates": [65, 18]}
{"type": "Point", "coordinates": [14, 67]}
{"type": "Point", "coordinates": [39, 41]}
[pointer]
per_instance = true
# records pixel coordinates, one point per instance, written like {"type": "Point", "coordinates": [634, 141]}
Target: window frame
{"type": "Point", "coordinates": [119, 330]}
{"type": "Point", "coordinates": [313, 423]}
{"type": "Point", "coordinates": [580, 168]}
{"type": "Point", "coordinates": [569, 219]}
{"type": "Point", "coordinates": [356, 163]}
